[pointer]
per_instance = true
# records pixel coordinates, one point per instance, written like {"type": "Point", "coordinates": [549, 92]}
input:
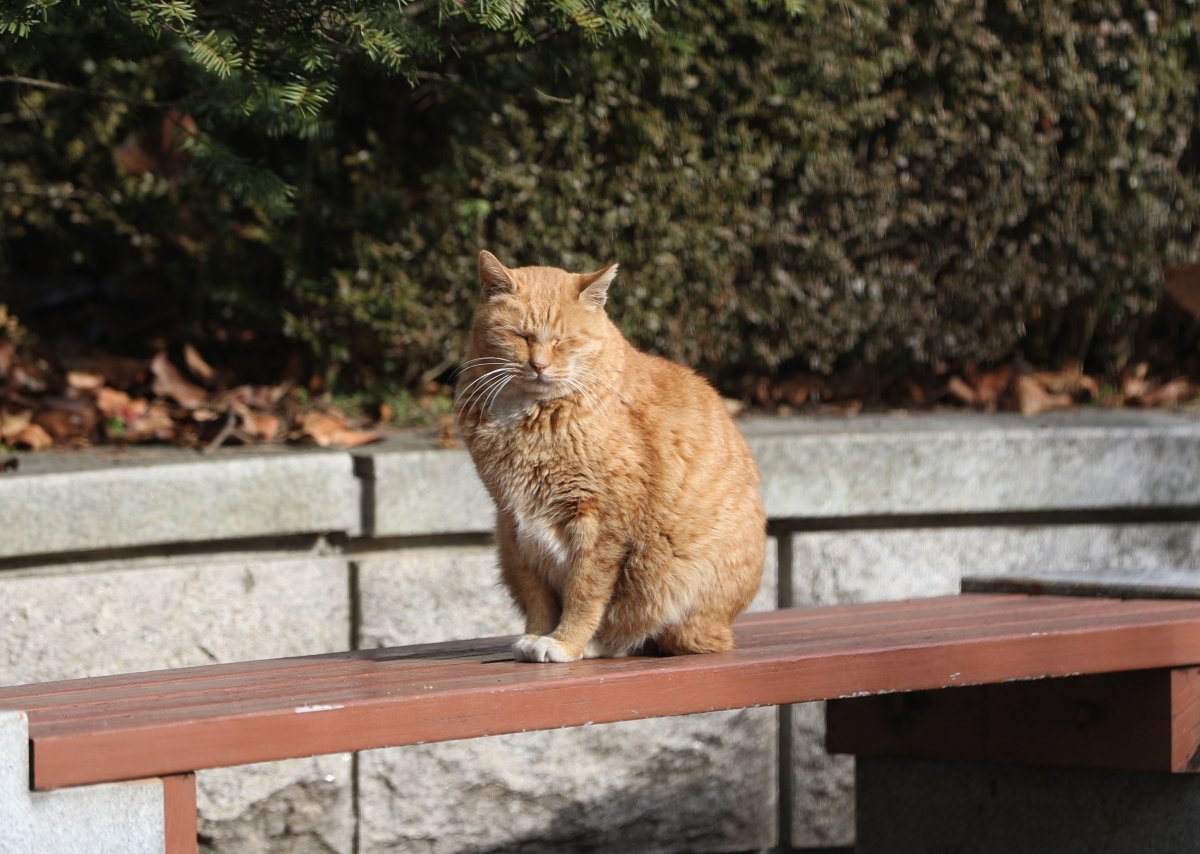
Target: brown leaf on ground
{"type": "Point", "coordinates": [67, 419]}
{"type": "Point", "coordinates": [118, 371]}
{"type": "Point", "coordinates": [32, 438]}
{"type": "Point", "coordinates": [12, 423]}
{"type": "Point", "coordinates": [8, 355]}
{"type": "Point", "coordinates": [962, 390]}
{"type": "Point", "coordinates": [1175, 391]}
{"type": "Point", "coordinates": [330, 430]}
{"type": "Point", "coordinates": [111, 401]}
{"type": "Point", "coordinates": [256, 396]}
{"type": "Point", "coordinates": [1133, 382]}
{"type": "Point", "coordinates": [991, 385]}
{"type": "Point", "coordinates": [259, 425]}
{"type": "Point", "coordinates": [203, 415]}
{"type": "Point", "coordinates": [799, 389]}
{"type": "Point", "coordinates": [196, 364]}
{"type": "Point", "coordinates": [1072, 381]}
{"type": "Point", "coordinates": [152, 423]}
{"type": "Point", "coordinates": [1183, 284]}
{"type": "Point", "coordinates": [981, 389]}
{"type": "Point", "coordinates": [1033, 398]}
{"type": "Point", "coordinates": [169, 382]}
{"type": "Point", "coordinates": [84, 380]}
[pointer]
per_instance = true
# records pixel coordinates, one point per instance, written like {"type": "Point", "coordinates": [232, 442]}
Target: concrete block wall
{"type": "Point", "coordinates": [129, 560]}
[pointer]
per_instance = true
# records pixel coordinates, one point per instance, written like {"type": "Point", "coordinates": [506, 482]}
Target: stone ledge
{"type": "Point", "coordinates": [57, 503]}
{"type": "Point", "coordinates": [812, 469]}
{"type": "Point", "coordinates": [962, 464]}
{"type": "Point", "coordinates": [872, 466]}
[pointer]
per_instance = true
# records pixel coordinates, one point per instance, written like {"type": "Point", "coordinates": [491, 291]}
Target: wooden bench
{"type": "Point", "coordinates": [169, 724]}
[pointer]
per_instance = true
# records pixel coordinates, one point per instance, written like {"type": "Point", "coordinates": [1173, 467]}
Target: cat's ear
{"type": "Point", "coordinates": [593, 288]}
{"type": "Point", "coordinates": [494, 277]}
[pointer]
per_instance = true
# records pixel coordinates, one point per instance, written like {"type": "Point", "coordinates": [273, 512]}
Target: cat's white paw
{"type": "Point", "coordinates": [535, 648]}
{"type": "Point", "coordinates": [523, 647]}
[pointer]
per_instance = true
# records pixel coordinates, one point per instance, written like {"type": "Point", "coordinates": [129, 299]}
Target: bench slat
{"type": "Point", "coordinates": [403, 675]}
{"type": "Point", "coordinates": [827, 625]}
{"type": "Point", "coordinates": [404, 670]}
{"type": "Point", "coordinates": [234, 714]}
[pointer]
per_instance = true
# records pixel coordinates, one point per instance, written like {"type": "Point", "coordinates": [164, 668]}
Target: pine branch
{"type": "Point", "coordinates": [51, 85]}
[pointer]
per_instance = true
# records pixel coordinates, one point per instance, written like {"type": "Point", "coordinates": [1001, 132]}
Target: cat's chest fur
{"type": "Point", "coordinates": [539, 478]}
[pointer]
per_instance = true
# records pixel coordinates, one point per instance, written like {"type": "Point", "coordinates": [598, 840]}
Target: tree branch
{"type": "Point", "coordinates": [34, 83]}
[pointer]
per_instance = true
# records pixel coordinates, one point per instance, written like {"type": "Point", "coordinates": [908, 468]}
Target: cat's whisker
{"type": "Point", "coordinates": [599, 379]}
{"type": "Point", "coordinates": [504, 382]}
{"type": "Point", "coordinates": [584, 392]}
{"type": "Point", "coordinates": [481, 382]}
{"type": "Point", "coordinates": [475, 403]}
{"type": "Point", "coordinates": [471, 363]}
{"type": "Point", "coordinates": [485, 384]}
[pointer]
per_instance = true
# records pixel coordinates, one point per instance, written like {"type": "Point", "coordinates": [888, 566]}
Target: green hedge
{"type": "Point", "coordinates": [879, 184]}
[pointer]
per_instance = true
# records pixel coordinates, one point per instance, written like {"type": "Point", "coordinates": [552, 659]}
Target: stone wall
{"type": "Point", "coordinates": [132, 560]}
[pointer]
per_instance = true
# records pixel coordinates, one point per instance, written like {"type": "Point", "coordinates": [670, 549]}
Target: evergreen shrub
{"type": "Point", "coordinates": [868, 183]}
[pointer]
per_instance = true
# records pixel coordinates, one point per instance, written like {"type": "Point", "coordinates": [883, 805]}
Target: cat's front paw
{"type": "Point", "coordinates": [542, 648]}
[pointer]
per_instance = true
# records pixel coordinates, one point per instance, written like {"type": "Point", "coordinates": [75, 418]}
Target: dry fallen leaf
{"type": "Point", "coordinates": [196, 364]}
{"type": "Point", "coordinates": [258, 425]}
{"type": "Point", "coordinates": [8, 355]}
{"type": "Point", "coordinates": [84, 380]}
{"type": "Point", "coordinates": [961, 389]}
{"type": "Point", "coordinates": [169, 382]}
{"type": "Point", "coordinates": [1033, 398]}
{"type": "Point", "coordinates": [1176, 390]}
{"type": "Point", "coordinates": [799, 389]}
{"type": "Point", "coordinates": [32, 438]}
{"type": "Point", "coordinates": [991, 385]}
{"type": "Point", "coordinates": [266, 426]}
{"type": "Point", "coordinates": [12, 423]}
{"type": "Point", "coordinates": [110, 401]}
{"type": "Point", "coordinates": [67, 420]}
{"type": "Point", "coordinates": [328, 430]}
{"type": "Point", "coordinates": [1070, 381]}
{"type": "Point", "coordinates": [1134, 383]}
{"type": "Point", "coordinates": [118, 371]}
{"type": "Point", "coordinates": [152, 423]}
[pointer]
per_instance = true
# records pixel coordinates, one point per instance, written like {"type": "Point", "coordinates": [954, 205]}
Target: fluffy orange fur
{"type": "Point", "coordinates": [628, 505]}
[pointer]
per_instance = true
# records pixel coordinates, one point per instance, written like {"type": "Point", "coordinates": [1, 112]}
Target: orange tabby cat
{"type": "Point", "coordinates": [628, 506]}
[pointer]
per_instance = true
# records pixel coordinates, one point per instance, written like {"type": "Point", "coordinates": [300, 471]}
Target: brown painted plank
{"type": "Point", "coordinates": [179, 814]}
{"type": "Point", "coordinates": [915, 620]}
{"type": "Point", "coordinates": [469, 698]}
{"type": "Point", "coordinates": [830, 621]}
{"type": "Point", "coordinates": [356, 679]}
{"type": "Point", "coordinates": [1139, 721]}
{"type": "Point", "coordinates": [753, 626]}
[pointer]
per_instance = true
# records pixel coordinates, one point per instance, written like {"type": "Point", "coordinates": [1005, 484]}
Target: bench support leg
{"type": "Point", "coordinates": [121, 818]}
{"type": "Point", "coordinates": [179, 814]}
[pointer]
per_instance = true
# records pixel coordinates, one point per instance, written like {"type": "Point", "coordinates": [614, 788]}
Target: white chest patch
{"type": "Point", "coordinates": [543, 544]}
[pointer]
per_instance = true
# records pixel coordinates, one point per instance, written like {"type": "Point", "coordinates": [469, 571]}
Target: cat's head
{"type": "Point", "coordinates": [543, 328]}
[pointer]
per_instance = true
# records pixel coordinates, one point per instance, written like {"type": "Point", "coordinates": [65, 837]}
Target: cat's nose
{"type": "Point", "coordinates": [539, 363]}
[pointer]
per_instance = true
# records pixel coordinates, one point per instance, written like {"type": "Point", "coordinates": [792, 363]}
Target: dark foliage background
{"type": "Point", "coordinates": [868, 184]}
